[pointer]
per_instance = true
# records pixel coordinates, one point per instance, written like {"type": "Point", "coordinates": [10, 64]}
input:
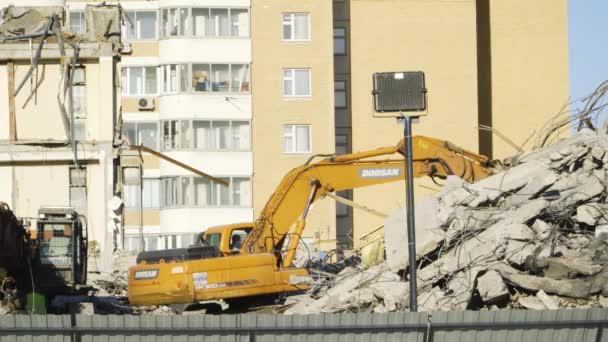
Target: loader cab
{"type": "Point", "coordinates": [61, 250]}
{"type": "Point", "coordinates": [228, 239]}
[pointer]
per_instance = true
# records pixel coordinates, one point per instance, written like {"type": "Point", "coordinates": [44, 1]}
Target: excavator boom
{"type": "Point", "coordinates": [432, 157]}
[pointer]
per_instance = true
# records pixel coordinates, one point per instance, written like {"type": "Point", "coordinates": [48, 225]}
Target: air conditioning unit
{"type": "Point", "coordinates": [145, 104]}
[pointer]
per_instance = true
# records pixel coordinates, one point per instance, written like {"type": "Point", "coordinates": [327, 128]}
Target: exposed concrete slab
{"type": "Point", "coordinates": [428, 233]}
{"type": "Point", "coordinates": [491, 287]}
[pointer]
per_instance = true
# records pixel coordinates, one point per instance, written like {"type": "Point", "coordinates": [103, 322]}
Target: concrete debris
{"type": "Point", "coordinates": [491, 287]}
{"type": "Point", "coordinates": [533, 236]}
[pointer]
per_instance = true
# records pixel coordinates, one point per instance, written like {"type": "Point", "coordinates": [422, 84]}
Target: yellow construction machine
{"type": "Point", "coordinates": [264, 265]}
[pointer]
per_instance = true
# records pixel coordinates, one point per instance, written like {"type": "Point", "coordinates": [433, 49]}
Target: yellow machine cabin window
{"type": "Point", "coordinates": [213, 240]}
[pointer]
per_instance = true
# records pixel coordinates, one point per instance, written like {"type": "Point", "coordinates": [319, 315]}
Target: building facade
{"type": "Point", "coordinates": [498, 63]}
{"type": "Point", "coordinates": [57, 123]}
{"type": "Point", "coordinates": [186, 92]}
{"type": "Point", "coordinates": [292, 100]}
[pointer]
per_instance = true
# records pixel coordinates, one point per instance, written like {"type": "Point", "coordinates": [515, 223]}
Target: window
{"type": "Point", "coordinates": [140, 81]}
{"type": "Point", "coordinates": [220, 77]}
{"type": "Point", "coordinates": [141, 133]}
{"type": "Point", "coordinates": [296, 82]}
{"type": "Point", "coordinates": [142, 26]}
{"type": "Point", "coordinates": [175, 78]}
{"type": "Point", "coordinates": [205, 22]}
{"type": "Point", "coordinates": [79, 103]}
{"type": "Point", "coordinates": [339, 41]}
{"type": "Point", "coordinates": [78, 23]}
{"type": "Point", "coordinates": [206, 135]}
{"type": "Point", "coordinates": [340, 94]}
{"type": "Point", "coordinates": [201, 192]}
{"type": "Point", "coordinates": [296, 27]}
{"type": "Point", "coordinates": [296, 139]}
{"type": "Point", "coordinates": [78, 189]}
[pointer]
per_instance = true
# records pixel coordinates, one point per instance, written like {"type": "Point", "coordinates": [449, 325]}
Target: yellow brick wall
{"type": "Point", "coordinates": [271, 111]}
{"type": "Point", "coordinates": [437, 37]}
{"type": "Point", "coordinates": [529, 67]}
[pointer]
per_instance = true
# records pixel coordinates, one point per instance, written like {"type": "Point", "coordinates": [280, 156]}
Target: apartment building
{"type": "Point", "coordinates": [58, 111]}
{"type": "Point", "coordinates": [499, 63]}
{"type": "Point", "coordinates": [292, 100]}
{"type": "Point", "coordinates": [186, 92]}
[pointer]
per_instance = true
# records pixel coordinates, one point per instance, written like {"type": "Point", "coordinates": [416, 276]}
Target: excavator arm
{"type": "Point", "coordinates": [302, 186]}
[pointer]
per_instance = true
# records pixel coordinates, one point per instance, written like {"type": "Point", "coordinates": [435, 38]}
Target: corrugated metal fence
{"type": "Point", "coordinates": [504, 325]}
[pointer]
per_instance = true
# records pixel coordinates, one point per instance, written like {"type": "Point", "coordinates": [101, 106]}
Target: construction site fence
{"type": "Point", "coordinates": [495, 326]}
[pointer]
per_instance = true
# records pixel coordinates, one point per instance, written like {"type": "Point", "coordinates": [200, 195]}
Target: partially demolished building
{"type": "Point", "coordinates": [58, 113]}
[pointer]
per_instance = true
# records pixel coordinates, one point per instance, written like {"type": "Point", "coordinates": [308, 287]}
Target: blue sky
{"type": "Point", "coordinates": [588, 45]}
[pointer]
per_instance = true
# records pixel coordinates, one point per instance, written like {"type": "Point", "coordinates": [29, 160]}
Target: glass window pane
{"type": "Point", "coordinates": [184, 78]}
{"type": "Point", "coordinates": [173, 78]}
{"type": "Point", "coordinates": [241, 192]}
{"type": "Point", "coordinates": [303, 138]}
{"type": "Point", "coordinates": [302, 82]}
{"type": "Point", "coordinates": [287, 25]}
{"type": "Point", "coordinates": [185, 134]}
{"type": "Point", "coordinates": [203, 196]}
{"type": "Point", "coordinates": [79, 102]}
{"type": "Point", "coordinates": [287, 82]}
{"type": "Point", "coordinates": [186, 192]}
{"type": "Point", "coordinates": [78, 198]}
{"type": "Point", "coordinates": [200, 77]}
{"type": "Point", "coordinates": [77, 22]}
{"type": "Point", "coordinates": [173, 22]}
{"type": "Point", "coordinates": [240, 77]}
{"type": "Point", "coordinates": [131, 196]}
{"type": "Point", "coordinates": [184, 23]}
{"type": "Point", "coordinates": [219, 17]}
{"type": "Point", "coordinates": [129, 132]}
{"type": "Point", "coordinates": [151, 193]}
{"type": "Point", "coordinates": [288, 138]}
{"type": "Point", "coordinates": [151, 81]}
{"type": "Point", "coordinates": [301, 26]}
{"type": "Point", "coordinates": [78, 177]}
{"type": "Point", "coordinates": [239, 19]}
{"type": "Point", "coordinates": [222, 134]}
{"type": "Point", "coordinates": [136, 81]}
{"type": "Point", "coordinates": [200, 18]}
{"type": "Point", "coordinates": [202, 135]}
{"type": "Point", "coordinates": [224, 193]}
{"type": "Point", "coordinates": [220, 77]}
{"type": "Point", "coordinates": [148, 135]}
{"type": "Point", "coordinates": [339, 41]}
{"type": "Point", "coordinates": [240, 135]}
{"type": "Point", "coordinates": [340, 94]}
{"type": "Point", "coordinates": [164, 27]}
{"type": "Point", "coordinates": [146, 25]}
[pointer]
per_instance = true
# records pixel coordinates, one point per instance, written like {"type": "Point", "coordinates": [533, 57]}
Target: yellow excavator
{"type": "Point", "coordinates": [263, 265]}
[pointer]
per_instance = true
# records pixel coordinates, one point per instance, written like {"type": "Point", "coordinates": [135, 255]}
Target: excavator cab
{"type": "Point", "coordinates": [228, 239]}
{"type": "Point", "coordinates": [60, 264]}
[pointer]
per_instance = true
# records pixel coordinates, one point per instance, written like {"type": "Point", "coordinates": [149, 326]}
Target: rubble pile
{"type": "Point", "coordinates": [532, 236]}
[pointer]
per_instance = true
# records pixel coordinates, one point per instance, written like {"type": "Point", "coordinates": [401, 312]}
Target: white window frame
{"type": "Point", "coordinates": [189, 26]}
{"type": "Point", "coordinates": [138, 30]}
{"type": "Point", "coordinates": [291, 21]}
{"type": "Point", "coordinates": [190, 136]}
{"type": "Point", "coordinates": [295, 143]}
{"type": "Point", "coordinates": [128, 68]}
{"type": "Point", "coordinates": [214, 188]}
{"type": "Point", "coordinates": [293, 83]}
{"type": "Point", "coordinates": [81, 15]}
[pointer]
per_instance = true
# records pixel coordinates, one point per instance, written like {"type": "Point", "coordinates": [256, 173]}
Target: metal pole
{"type": "Point", "coordinates": [411, 228]}
{"type": "Point", "coordinates": [142, 247]}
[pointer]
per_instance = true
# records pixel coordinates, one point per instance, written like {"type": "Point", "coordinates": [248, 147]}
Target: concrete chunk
{"type": "Point", "coordinates": [550, 302]}
{"type": "Point", "coordinates": [428, 233]}
{"type": "Point", "coordinates": [518, 251]}
{"type": "Point", "coordinates": [589, 213]}
{"type": "Point", "coordinates": [491, 287]}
